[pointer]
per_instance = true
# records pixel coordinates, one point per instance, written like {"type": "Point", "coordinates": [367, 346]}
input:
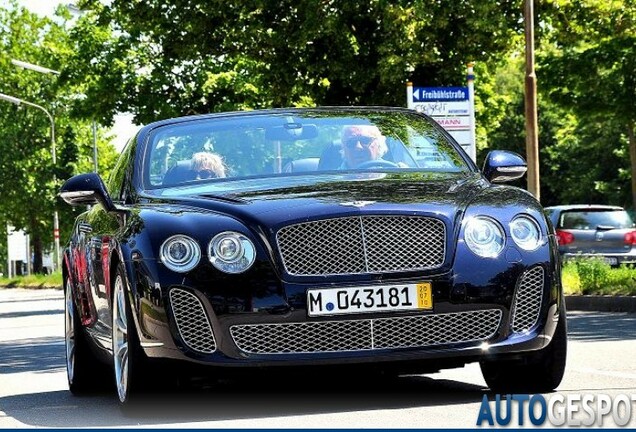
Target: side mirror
{"type": "Point", "coordinates": [503, 166]}
{"type": "Point", "coordinates": [86, 189]}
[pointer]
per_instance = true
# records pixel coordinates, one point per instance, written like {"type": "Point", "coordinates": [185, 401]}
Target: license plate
{"type": "Point", "coordinates": [363, 299]}
{"type": "Point", "coordinates": [611, 260]}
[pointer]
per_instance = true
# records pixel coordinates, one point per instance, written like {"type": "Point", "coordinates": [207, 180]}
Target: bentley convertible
{"type": "Point", "coordinates": [309, 238]}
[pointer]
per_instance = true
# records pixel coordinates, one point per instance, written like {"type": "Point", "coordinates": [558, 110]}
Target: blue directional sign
{"type": "Point", "coordinates": [437, 94]}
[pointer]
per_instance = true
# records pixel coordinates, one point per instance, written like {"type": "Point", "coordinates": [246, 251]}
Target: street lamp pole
{"type": "Point", "coordinates": [56, 222]}
{"type": "Point", "coordinates": [42, 69]}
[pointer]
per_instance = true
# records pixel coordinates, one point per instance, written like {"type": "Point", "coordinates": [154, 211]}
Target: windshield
{"type": "Point", "coordinates": [313, 144]}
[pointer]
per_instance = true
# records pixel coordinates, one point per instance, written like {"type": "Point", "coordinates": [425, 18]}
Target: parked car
{"type": "Point", "coordinates": [590, 230]}
{"type": "Point", "coordinates": [289, 256]}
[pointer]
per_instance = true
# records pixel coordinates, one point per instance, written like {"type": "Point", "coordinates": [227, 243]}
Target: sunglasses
{"type": "Point", "coordinates": [365, 141]}
{"type": "Point", "coordinates": [206, 174]}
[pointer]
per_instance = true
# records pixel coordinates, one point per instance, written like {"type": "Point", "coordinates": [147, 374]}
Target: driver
{"type": "Point", "coordinates": [362, 143]}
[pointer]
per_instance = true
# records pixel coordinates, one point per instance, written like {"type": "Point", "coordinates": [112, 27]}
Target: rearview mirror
{"type": "Point", "coordinates": [291, 132]}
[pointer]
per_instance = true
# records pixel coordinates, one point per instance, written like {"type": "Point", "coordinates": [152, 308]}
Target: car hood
{"type": "Point", "coordinates": [369, 193]}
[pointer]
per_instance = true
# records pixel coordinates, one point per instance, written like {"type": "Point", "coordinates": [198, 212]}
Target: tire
{"type": "Point", "coordinates": [129, 361]}
{"type": "Point", "coordinates": [84, 372]}
{"type": "Point", "coordinates": [538, 372]}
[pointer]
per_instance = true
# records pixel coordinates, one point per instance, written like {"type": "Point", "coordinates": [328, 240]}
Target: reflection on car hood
{"type": "Point", "coordinates": [369, 192]}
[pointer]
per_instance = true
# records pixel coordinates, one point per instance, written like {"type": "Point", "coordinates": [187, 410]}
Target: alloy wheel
{"type": "Point", "coordinates": [120, 339]}
{"type": "Point", "coordinates": [69, 334]}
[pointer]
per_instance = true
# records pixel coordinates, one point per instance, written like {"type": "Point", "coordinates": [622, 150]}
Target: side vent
{"type": "Point", "coordinates": [192, 321]}
{"type": "Point", "coordinates": [528, 299]}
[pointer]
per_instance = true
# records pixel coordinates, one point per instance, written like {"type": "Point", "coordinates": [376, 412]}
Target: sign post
{"type": "Point", "coordinates": [452, 107]}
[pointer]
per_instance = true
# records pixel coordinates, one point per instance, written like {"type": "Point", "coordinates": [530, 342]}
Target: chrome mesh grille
{"type": "Point", "coordinates": [366, 244]}
{"type": "Point", "coordinates": [528, 298]}
{"type": "Point", "coordinates": [367, 334]}
{"type": "Point", "coordinates": [192, 321]}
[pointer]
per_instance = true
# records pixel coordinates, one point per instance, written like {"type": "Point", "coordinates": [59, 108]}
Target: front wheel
{"type": "Point", "coordinates": [78, 355]}
{"type": "Point", "coordinates": [539, 372]}
{"type": "Point", "coordinates": [128, 357]}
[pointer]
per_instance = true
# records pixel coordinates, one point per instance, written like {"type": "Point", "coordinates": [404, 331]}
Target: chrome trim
{"type": "Point", "coordinates": [192, 322]}
{"type": "Point", "coordinates": [413, 331]}
{"type": "Point", "coordinates": [527, 300]}
{"type": "Point", "coordinates": [362, 245]}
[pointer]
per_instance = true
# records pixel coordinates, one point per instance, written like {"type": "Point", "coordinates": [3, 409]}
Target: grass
{"type": "Point", "coordinates": [589, 276]}
{"type": "Point", "coordinates": [33, 281]}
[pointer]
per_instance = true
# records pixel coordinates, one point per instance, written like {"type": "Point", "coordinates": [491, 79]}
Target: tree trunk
{"type": "Point", "coordinates": [631, 135]}
{"type": "Point", "coordinates": [36, 242]}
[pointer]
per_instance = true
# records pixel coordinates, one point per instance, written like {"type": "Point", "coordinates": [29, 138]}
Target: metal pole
{"type": "Point", "coordinates": [532, 134]}
{"type": "Point", "coordinates": [8, 251]}
{"type": "Point", "coordinates": [470, 78]}
{"type": "Point", "coordinates": [95, 146]}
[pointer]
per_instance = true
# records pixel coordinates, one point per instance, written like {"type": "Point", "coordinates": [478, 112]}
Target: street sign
{"type": "Point", "coordinates": [439, 108]}
{"type": "Point", "coordinates": [453, 108]}
{"type": "Point", "coordinates": [434, 94]}
{"type": "Point", "coordinates": [17, 245]}
{"type": "Point", "coordinates": [454, 123]}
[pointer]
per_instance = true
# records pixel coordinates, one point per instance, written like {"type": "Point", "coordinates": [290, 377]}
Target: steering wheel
{"type": "Point", "coordinates": [380, 163]}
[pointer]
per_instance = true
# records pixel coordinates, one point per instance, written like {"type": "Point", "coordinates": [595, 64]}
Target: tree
{"type": "Point", "coordinates": [161, 58]}
{"type": "Point", "coordinates": [589, 68]}
{"type": "Point", "coordinates": [27, 172]}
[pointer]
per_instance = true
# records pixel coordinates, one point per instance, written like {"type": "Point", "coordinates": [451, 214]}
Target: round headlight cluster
{"type": "Point", "coordinates": [525, 232]}
{"type": "Point", "coordinates": [231, 252]}
{"type": "Point", "coordinates": [484, 236]}
{"type": "Point", "coordinates": [180, 253]}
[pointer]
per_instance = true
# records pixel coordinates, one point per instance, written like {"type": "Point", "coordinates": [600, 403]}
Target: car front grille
{"type": "Point", "coordinates": [362, 244]}
{"type": "Point", "coordinates": [192, 322]}
{"type": "Point", "coordinates": [367, 334]}
{"type": "Point", "coordinates": [528, 298]}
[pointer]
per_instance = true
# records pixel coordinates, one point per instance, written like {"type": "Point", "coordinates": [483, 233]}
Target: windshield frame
{"type": "Point", "coordinates": [467, 166]}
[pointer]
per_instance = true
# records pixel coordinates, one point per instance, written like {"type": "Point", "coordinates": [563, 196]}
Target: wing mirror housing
{"type": "Point", "coordinates": [503, 166]}
{"type": "Point", "coordinates": [86, 189]}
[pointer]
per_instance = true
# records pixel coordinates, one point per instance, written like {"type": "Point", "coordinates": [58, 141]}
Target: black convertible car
{"type": "Point", "coordinates": [310, 237]}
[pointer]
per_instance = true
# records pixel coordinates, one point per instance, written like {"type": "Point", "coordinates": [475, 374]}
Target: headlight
{"type": "Point", "coordinates": [484, 236]}
{"type": "Point", "coordinates": [180, 253]}
{"type": "Point", "coordinates": [525, 232]}
{"type": "Point", "coordinates": [231, 252]}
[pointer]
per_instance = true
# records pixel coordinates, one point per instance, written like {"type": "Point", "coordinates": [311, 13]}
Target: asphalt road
{"type": "Point", "coordinates": [33, 389]}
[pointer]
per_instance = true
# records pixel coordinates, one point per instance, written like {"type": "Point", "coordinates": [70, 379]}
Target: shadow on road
{"type": "Point", "coordinates": [601, 326]}
{"type": "Point", "coordinates": [32, 355]}
{"type": "Point", "coordinates": [238, 400]}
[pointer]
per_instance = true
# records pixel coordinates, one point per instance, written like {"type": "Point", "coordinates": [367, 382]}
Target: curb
{"type": "Point", "coordinates": [601, 303]}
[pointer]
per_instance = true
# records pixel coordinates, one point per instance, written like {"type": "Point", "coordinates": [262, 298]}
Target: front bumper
{"type": "Point", "coordinates": [513, 315]}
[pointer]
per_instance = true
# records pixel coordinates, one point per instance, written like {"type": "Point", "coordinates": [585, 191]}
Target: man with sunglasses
{"type": "Point", "coordinates": [361, 144]}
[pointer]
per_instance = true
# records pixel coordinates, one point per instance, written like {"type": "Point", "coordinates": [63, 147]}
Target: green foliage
{"type": "Point", "coordinates": [588, 62]}
{"type": "Point", "coordinates": [161, 58]}
{"type": "Point", "coordinates": [594, 276]}
{"type": "Point", "coordinates": [27, 173]}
